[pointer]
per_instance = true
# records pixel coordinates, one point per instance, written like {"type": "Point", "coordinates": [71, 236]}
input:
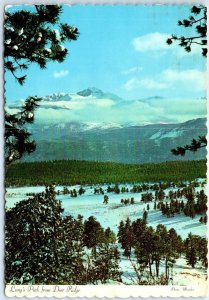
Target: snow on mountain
{"type": "Point", "coordinates": [74, 101]}
{"type": "Point", "coordinates": [57, 97]}
{"type": "Point", "coordinates": [98, 94]}
{"type": "Point", "coordinates": [156, 135]}
{"type": "Point", "coordinates": [93, 105]}
{"type": "Point", "coordinates": [89, 93]}
{"type": "Point", "coordinates": [161, 134]}
{"type": "Point", "coordinates": [82, 127]}
{"type": "Point", "coordinates": [101, 126]}
{"type": "Point", "coordinates": [112, 141]}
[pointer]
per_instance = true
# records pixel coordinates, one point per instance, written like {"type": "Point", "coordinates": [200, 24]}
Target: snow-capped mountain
{"type": "Point", "coordinates": [115, 142]}
{"type": "Point", "coordinates": [96, 125]}
{"type": "Point", "coordinates": [93, 105]}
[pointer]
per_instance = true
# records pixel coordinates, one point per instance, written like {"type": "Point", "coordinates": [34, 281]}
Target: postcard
{"type": "Point", "coordinates": [105, 150]}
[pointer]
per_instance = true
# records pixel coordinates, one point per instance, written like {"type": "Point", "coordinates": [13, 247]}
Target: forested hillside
{"type": "Point", "coordinates": [115, 142]}
{"type": "Point", "coordinates": [67, 172]}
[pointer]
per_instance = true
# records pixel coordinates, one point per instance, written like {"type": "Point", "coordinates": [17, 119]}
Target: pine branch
{"type": "Point", "coordinates": [201, 28]}
{"type": "Point", "coordinates": [29, 33]}
{"type": "Point", "coordinates": [194, 146]}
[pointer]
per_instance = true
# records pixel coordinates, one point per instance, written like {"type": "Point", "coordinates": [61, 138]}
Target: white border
{"type": "Point", "coordinates": [108, 291]}
{"type": "Point", "coordinates": [85, 291]}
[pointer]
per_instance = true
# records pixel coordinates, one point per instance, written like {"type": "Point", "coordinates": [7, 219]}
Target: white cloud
{"type": "Point", "coordinates": [77, 103]}
{"type": "Point", "coordinates": [151, 42]}
{"type": "Point", "coordinates": [146, 83]}
{"type": "Point", "coordinates": [60, 74]}
{"type": "Point", "coordinates": [139, 112]}
{"type": "Point", "coordinates": [135, 70]}
{"type": "Point", "coordinates": [194, 78]}
{"type": "Point", "coordinates": [156, 42]}
{"type": "Point", "coordinates": [170, 78]}
{"type": "Point", "coordinates": [131, 84]}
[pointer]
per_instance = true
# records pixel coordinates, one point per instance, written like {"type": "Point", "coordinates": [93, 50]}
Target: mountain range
{"type": "Point", "coordinates": [101, 126]}
{"type": "Point", "coordinates": [113, 142]}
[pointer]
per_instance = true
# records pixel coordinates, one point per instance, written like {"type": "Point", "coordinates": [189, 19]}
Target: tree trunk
{"type": "Point", "coordinates": [166, 268]}
{"type": "Point", "coordinates": [94, 251]}
{"type": "Point", "coordinates": [150, 268]}
{"type": "Point", "coordinates": [157, 267]}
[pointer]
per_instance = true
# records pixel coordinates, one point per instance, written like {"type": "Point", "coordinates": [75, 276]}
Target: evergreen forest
{"type": "Point", "coordinates": [67, 172]}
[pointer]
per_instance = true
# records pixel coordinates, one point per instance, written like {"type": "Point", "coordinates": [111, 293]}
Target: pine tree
{"type": "Point", "coordinates": [17, 138]}
{"type": "Point", "coordinates": [106, 199]}
{"type": "Point", "coordinates": [30, 37]}
{"type": "Point", "coordinates": [109, 236]}
{"type": "Point", "coordinates": [72, 253]}
{"type": "Point", "coordinates": [144, 249]}
{"type": "Point", "coordinates": [116, 189]}
{"type": "Point", "coordinates": [197, 20]}
{"type": "Point", "coordinates": [105, 266]}
{"type": "Point", "coordinates": [191, 250]}
{"type": "Point", "coordinates": [81, 191]}
{"type": "Point", "coordinates": [132, 200]}
{"type": "Point", "coordinates": [33, 240]}
{"type": "Point", "coordinates": [145, 215]}
{"type": "Point", "coordinates": [121, 231]}
{"type": "Point", "coordinates": [126, 237]}
{"type": "Point", "coordinates": [93, 234]}
{"type": "Point", "coordinates": [203, 252]}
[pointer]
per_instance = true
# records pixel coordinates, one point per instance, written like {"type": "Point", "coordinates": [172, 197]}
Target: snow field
{"type": "Point", "coordinates": [110, 215]}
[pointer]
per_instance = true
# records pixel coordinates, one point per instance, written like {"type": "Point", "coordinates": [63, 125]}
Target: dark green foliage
{"type": "Point", "coordinates": [203, 251]}
{"type": "Point", "coordinates": [151, 247]}
{"type": "Point", "coordinates": [126, 237]}
{"type": "Point", "coordinates": [85, 172]}
{"type": "Point", "coordinates": [109, 236]}
{"type": "Point", "coordinates": [44, 247]}
{"type": "Point", "coordinates": [132, 200]}
{"type": "Point", "coordinates": [148, 197]}
{"type": "Point", "coordinates": [106, 199]}
{"type": "Point", "coordinates": [17, 138]}
{"type": "Point", "coordinates": [81, 191]}
{"type": "Point", "coordinates": [132, 145]}
{"type": "Point", "coordinates": [191, 250]}
{"type": "Point", "coordinates": [106, 265]}
{"type": "Point", "coordinates": [65, 191]}
{"type": "Point", "coordinates": [93, 234]}
{"type": "Point", "coordinates": [197, 20]}
{"type": "Point", "coordinates": [196, 203]}
{"type": "Point", "coordinates": [145, 215]}
{"type": "Point", "coordinates": [194, 146]}
{"type": "Point", "coordinates": [203, 220]}
{"type": "Point", "coordinates": [30, 37]}
{"type": "Point", "coordinates": [33, 230]}
{"type": "Point", "coordinates": [128, 201]}
{"type": "Point", "coordinates": [201, 203]}
{"type": "Point", "coordinates": [116, 189]}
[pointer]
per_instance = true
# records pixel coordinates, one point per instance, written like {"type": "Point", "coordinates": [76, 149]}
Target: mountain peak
{"type": "Point", "coordinates": [154, 98]}
{"type": "Point", "coordinates": [57, 97]}
{"type": "Point", "coordinates": [91, 91]}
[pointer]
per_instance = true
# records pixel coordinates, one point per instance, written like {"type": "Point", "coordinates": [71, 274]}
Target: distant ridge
{"type": "Point", "coordinates": [115, 142]}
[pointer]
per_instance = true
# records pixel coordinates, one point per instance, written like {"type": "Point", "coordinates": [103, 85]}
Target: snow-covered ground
{"type": "Point", "coordinates": [110, 215]}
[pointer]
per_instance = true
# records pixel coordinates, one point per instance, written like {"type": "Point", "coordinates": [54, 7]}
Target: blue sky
{"type": "Point", "coordinates": [121, 49]}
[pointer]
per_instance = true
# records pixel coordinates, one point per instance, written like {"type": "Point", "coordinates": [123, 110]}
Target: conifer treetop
{"type": "Point", "coordinates": [35, 36]}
